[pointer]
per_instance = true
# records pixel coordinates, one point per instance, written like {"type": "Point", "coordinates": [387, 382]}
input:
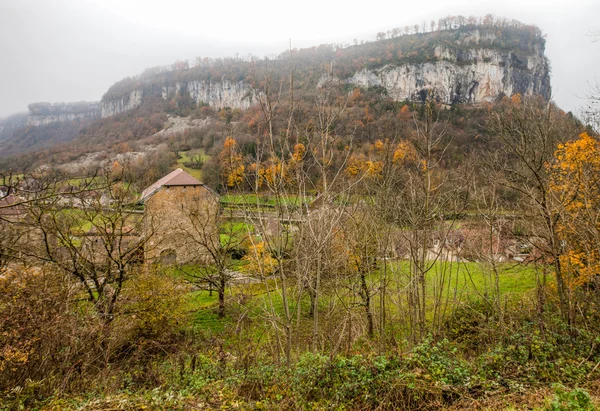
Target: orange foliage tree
{"type": "Point", "coordinates": [575, 184]}
{"type": "Point", "coordinates": [233, 169]}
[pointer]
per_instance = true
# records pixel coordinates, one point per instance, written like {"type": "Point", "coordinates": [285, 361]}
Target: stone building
{"type": "Point", "coordinates": [181, 215]}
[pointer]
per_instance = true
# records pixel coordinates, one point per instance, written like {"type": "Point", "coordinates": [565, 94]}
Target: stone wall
{"type": "Point", "coordinates": [177, 238]}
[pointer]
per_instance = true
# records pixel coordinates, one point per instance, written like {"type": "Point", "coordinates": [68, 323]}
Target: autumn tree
{"type": "Point", "coordinates": [575, 184]}
{"type": "Point", "coordinates": [232, 164]}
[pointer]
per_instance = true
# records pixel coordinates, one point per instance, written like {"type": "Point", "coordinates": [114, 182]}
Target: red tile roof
{"type": "Point", "coordinates": [175, 178]}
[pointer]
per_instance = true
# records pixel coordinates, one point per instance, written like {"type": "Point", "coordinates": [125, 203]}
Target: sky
{"type": "Point", "coordinates": [74, 50]}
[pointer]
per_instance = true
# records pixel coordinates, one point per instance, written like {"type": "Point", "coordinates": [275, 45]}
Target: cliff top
{"type": "Point", "coordinates": [394, 47]}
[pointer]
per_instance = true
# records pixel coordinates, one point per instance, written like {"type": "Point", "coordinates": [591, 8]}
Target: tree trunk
{"type": "Point", "coordinates": [222, 285]}
{"type": "Point", "coordinates": [367, 304]}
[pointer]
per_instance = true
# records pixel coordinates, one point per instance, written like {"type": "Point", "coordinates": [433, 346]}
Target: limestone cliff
{"type": "Point", "coordinates": [218, 94]}
{"type": "Point", "coordinates": [110, 107]}
{"type": "Point", "coordinates": [46, 113]}
{"type": "Point", "coordinates": [462, 76]}
{"type": "Point", "coordinates": [222, 93]}
{"type": "Point", "coordinates": [469, 64]}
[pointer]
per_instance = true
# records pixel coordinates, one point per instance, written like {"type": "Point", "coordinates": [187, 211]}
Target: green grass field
{"type": "Point", "coordinates": [471, 277]}
{"type": "Point", "coordinates": [464, 282]}
{"type": "Point", "coordinates": [291, 200]}
{"type": "Point", "coordinates": [186, 156]}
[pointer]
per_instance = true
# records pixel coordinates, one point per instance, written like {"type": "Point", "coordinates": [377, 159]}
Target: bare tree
{"type": "Point", "coordinates": [205, 220]}
{"type": "Point", "coordinates": [530, 130]}
{"type": "Point", "coordinates": [94, 236]}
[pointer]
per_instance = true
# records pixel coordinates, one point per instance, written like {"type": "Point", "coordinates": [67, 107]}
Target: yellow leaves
{"type": "Point", "coordinates": [358, 165]}
{"type": "Point", "coordinates": [374, 168]}
{"type": "Point", "coordinates": [404, 152]}
{"type": "Point", "coordinates": [233, 168]}
{"type": "Point", "coordinates": [230, 143]}
{"type": "Point", "coordinates": [516, 98]}
{"type": "Point", "coordinates": [577, 153]}
{"type": "Point", "coordinates": [235, 176]}
{"type": "Point", "coordinates": [299, 151]}
{"type": "Point", "coordinates": [13, 357]}
{"type": "Point", "coordinates": [575, 171]}
{"type": "Point", "coordinates": [579, 268]}
{"type": "Point", "coordinates": [259, 261]}
{"type": "Point", "coordinates": [575, 185]}
{"type": "Point", "coordinates": [354, 166]}
{"type": "Point", "coordinates": [271, 173]}
{"type": "Point", "coordinates": [382, 154]}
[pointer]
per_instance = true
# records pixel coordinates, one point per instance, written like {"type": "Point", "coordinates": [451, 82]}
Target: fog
{"type": "Point", "coordinates": [73, 50]}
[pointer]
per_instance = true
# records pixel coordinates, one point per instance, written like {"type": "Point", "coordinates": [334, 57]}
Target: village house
{"type": "Point", "coordinates": [180, 216]}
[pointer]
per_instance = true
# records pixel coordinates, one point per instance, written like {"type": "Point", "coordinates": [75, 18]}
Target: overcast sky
{"type": "Point", "coordinates": [73, 50]}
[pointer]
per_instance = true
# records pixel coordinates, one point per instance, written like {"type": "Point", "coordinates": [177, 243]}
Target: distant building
{"type": "Point", "coordinates": [181, 215]}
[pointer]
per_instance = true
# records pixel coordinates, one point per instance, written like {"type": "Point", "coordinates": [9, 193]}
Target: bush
{"type": "Point", "coordinates": [441, 362]}
{"type": "Point", "coordinates": [574, 400]}
{"type": "Point", "coordinates": [52, 340]}
{"type": "Point", "coordinates": [45, 341]}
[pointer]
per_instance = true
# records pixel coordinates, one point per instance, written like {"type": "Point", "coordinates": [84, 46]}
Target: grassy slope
{"type": "Point", "coordinates": [186, 156]}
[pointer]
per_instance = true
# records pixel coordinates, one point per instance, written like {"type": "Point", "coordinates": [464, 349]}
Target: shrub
{"type": "Point", "coordinates": [441, 362]}
{"type": "Point", "coordinates": [574, 400]}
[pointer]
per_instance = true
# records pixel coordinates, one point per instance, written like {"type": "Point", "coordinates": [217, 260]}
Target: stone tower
{"type": "Point", "coordinates": [181, 216]}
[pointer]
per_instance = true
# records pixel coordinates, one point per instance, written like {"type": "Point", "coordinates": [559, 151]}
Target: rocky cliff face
{"type": "Point", "coordinates": [222, 94]}
{"type": "Point", "coordinates": [110, 107]}
{"type": "Point", "coordinates": [467, 65]}
{"type": "Point", "coordinates": [46, 113]}
{"type": "Point", "coordinates": [216, 94]}
{"type": "Point", "coordinates": [462, 76]}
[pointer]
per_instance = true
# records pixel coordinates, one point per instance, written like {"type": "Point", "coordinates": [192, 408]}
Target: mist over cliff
{"type": "Point", "coordinates": [459, 62]}
{"type": "Point", "coordinates": [471, 64]}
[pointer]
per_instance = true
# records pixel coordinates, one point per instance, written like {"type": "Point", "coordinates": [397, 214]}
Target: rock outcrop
{"type": "Point", "coordinates": [41, 114]}
{"type": "Point", "coordinates": [222, 94]}
{"type": "Point", "coordinates": [471, 64]}
{"type": "Point", "coordinates": [110, 107]}
{"type": "Point", "coordinates": [462, 76]}
{"type": "Point", "coordinates": [217, 94]}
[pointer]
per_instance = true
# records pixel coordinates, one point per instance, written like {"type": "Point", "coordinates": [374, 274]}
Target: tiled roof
{"type": "Point", "coordinates": [175, 178]}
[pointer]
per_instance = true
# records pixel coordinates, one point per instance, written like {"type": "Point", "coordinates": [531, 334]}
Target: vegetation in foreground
{"type": "Point", "coordinates": [393, 285]}
{"type": "Point", "coordinates": [175, 353]}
